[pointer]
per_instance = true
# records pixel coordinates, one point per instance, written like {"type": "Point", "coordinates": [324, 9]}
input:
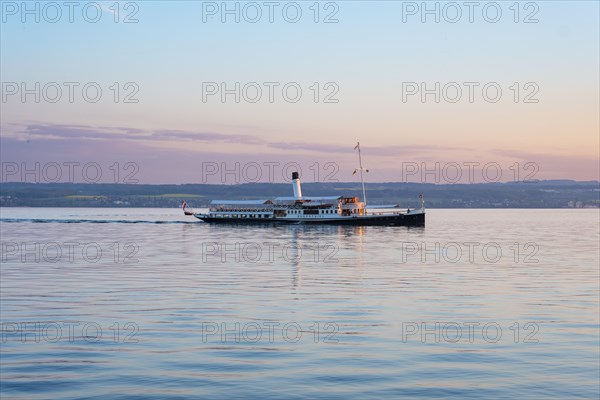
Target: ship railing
{"type": "Point", "coordinates": [384, 212]}
{"type": "Point", "coordinates": [224, 209]}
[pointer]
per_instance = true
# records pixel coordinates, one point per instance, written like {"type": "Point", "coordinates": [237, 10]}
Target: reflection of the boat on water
{"type": "Point", "coordinates": [338, 245]}
{"type": "Point", "coordinates": [324, 231]}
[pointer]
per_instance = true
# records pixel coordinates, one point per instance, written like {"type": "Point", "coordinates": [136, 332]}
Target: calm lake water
{"type": "Point", "coordinates": [111, 303]}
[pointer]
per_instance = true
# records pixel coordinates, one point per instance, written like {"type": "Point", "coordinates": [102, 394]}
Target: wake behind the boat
{"type": "Point", "coordinates": [88, 221]}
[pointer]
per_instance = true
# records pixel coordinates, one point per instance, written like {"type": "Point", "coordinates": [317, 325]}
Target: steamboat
{"type": "Point", "coordinates": [299, 209]}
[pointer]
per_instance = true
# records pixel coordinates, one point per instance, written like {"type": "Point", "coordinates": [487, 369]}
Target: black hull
{"type": "Point", "coordinates": [387, 220]}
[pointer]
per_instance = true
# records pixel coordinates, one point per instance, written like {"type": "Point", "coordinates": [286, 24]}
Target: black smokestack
{"type": "Point", "coordinates": [295, 175]}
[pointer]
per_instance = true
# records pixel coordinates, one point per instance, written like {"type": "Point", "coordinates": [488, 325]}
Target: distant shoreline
{"type": "Point", "coordinates": [540, 194]}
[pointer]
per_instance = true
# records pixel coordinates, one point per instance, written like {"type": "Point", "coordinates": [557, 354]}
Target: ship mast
{"type": "Point", "coordinates": [362, 181]}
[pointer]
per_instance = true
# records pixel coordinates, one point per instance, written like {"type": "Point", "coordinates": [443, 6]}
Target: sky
{"type": "Point", "coordinates": [235, 92]}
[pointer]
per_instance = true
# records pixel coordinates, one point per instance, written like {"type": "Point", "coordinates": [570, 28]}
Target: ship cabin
{"type": "Point", "coordinates": [317, 207]}
{"type": "Point", "coordinates": [255, 209]}
{"type": "Point", "coordinates": [293, 208]}
{"type": "Point", "coordinates": [329, 207]}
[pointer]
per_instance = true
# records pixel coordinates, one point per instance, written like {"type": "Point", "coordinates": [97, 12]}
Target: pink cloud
{"type": "Point", "coordinates": [159, 163]}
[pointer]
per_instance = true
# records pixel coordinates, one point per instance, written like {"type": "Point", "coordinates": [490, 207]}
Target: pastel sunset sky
{"type": "Point", "coordinates": [357, 68]}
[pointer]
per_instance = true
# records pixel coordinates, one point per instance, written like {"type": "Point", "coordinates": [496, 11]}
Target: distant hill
{"type": "Point", "coordinates": [534, 194]}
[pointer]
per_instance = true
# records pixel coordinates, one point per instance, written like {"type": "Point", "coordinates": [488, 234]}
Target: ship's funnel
{"type": "Point", "coordinates": [296, 186]}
